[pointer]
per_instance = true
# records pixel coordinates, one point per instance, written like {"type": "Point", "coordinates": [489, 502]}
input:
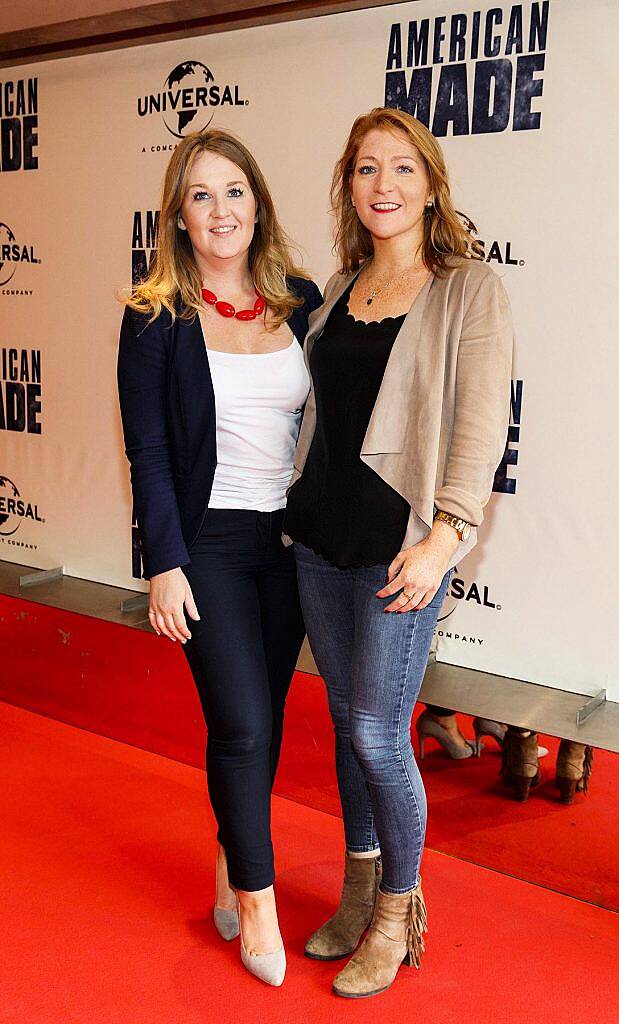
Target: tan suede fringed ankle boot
{"type": "Point", "coordinates": [574, 762]}
{"type": "Point", "coordinates": [340, 936]}
{"type": "Point", "coordinates": [395, 937]}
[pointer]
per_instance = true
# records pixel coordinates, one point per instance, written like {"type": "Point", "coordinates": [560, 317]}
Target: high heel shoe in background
{"type": "Point", "coordinates": [426, 725]}
{"type": "Point", "coordinates": [574, 763]}
{"type": "Point", "coordinates": [519, 762]}
{"type": "Point", "coordinates": [487, 727]}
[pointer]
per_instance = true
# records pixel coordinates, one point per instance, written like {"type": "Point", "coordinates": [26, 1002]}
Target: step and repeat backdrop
{"type": "Point", "coordinates": [520, 97]}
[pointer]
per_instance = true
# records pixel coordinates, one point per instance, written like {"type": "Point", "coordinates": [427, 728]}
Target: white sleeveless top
{"type": "Point", "coordinates": [259, 401]}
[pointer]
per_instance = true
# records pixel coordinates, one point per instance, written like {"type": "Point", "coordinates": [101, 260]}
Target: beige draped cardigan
{"type": "Point", "coordinates": [438, 429]}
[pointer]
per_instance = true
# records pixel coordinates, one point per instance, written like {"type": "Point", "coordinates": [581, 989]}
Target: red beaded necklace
{"type": "Point", "coordinates": [227, 309]}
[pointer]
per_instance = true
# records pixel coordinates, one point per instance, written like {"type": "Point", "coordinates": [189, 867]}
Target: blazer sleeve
{"type": "Point", "coordinates": [310, 294]}
{"type": "Point", "coordinates": [482, 403]}
{"type": "Point", "coordinates": [142, 388]}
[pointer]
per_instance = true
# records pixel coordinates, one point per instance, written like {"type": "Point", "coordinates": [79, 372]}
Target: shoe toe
{"type": "Point", "coordinates": [226, 923]}
{"type": "Point", "coordinates": [315, 946]}
{"type": "Point", "coordinates": [267, 967]}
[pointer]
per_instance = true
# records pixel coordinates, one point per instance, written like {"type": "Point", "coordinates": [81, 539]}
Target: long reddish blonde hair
{"type": "Point", "coordinates": [446, 232]}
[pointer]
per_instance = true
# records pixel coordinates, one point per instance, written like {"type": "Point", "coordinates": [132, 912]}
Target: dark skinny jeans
{"type": "Point", "coordinates": [242, 656]}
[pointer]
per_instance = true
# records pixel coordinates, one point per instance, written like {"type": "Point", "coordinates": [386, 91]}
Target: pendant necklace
{"type": "Point", "coordinates": [380, 288]}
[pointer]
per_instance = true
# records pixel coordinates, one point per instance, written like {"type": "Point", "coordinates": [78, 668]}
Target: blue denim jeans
{"type": "Point", "coordinates": [373, 665]}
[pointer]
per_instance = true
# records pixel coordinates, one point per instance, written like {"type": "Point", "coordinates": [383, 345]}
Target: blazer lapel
{"type": "Point", "coordinates": [319, 317]}
{"type": "Point", "coordinates": [192, 368]}
{"type": "Point", "coordinates": [317, 321]}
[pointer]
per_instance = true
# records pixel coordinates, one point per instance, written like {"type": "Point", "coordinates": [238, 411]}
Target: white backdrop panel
{"type": "Point", "coordinates": [533, 600]}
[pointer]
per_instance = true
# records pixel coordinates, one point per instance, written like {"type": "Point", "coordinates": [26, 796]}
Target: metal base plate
{"type": "Point", "coordinates": [530, 705]}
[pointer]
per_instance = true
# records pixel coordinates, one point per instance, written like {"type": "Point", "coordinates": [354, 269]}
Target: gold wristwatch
{"type": "Point", "coordinates": [461, 526]}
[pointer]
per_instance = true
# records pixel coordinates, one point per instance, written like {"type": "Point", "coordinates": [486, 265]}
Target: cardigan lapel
{"type": "Point", "coordinates": [391, 413]}
{"type": "Point", "coordinates": [388, 423]}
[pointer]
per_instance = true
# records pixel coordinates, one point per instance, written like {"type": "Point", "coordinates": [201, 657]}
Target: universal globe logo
{"type": "Point", "coordinates": [12, 253]}
{"type": "Point", "coordinates": [186, 101]}
{"type": "Point", "coordinates": [13, 508]}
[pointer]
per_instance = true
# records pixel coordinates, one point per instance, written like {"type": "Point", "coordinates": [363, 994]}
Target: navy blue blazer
{"type": "Point", "coordinates": [167, 405]}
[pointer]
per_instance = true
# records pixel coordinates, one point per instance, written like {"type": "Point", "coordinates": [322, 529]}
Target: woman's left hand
{"type": "Point", "coordinates": [418, 571]}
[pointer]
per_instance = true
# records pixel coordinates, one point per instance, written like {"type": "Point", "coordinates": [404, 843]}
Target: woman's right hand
{"type": "Point", "coordinates": [169, 591]}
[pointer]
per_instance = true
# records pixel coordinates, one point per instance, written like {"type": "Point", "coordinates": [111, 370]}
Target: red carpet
{"type": "Point", "coordinates": [106, 872]}
{"type": "Point", "coordinates": [135, 687]}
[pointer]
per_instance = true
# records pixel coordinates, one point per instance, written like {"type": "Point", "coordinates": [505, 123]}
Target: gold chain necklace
{"type": "Point", "coordinates": [388, 286]}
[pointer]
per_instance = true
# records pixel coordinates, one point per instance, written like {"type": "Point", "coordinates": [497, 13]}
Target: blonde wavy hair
{"type": "Point", "coordinates": [446, 232]}
{"type": "Point", "coordinates": [174, 280]}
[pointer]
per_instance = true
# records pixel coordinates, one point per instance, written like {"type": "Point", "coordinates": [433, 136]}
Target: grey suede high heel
{"type": "Point", "coordinates": [426, 726]}
{"type": "Point", "coordinates": [227, 922]}
{"type": "Point", "coordinates": [268, 967]}
{"type": "Point", "coordinates": [488, 727]}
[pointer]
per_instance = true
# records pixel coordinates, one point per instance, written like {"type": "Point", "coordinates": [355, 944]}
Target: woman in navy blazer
{"type": "Point", "coordinates": [168, 413]}
{"type": "Point", "coordinates": [212, 385]}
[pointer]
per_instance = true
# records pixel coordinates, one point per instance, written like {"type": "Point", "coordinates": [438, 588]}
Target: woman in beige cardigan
{"type": "Point", "coordinates": [406, 422]}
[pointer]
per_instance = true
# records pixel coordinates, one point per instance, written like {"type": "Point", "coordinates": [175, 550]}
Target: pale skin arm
{"type": "Point", "coordinates": [420, 569]}
{"type": "Point", "coordinates": [169, 592]}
